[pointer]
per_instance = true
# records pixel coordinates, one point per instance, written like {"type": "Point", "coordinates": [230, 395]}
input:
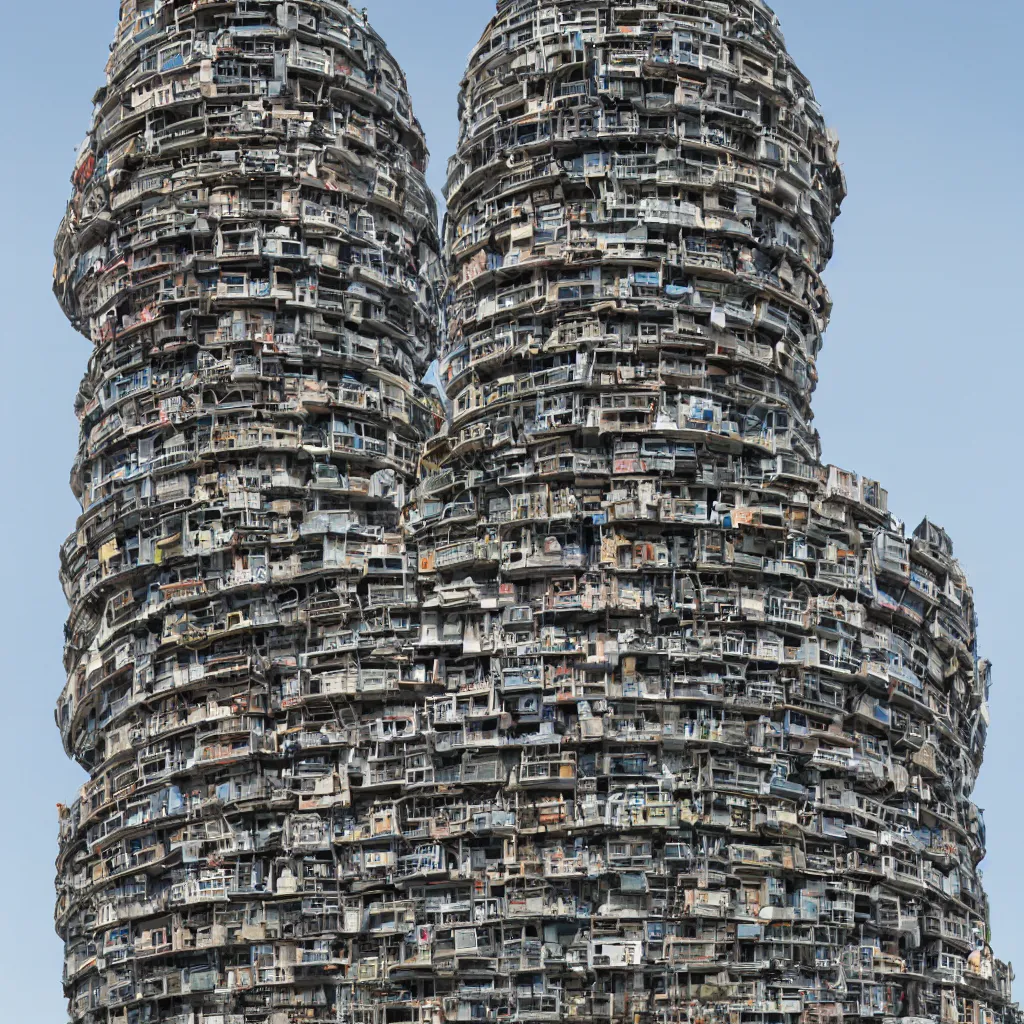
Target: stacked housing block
{"type": "Point", "coordinates": [736, 710]}
{"type": "Point", "coordinates": [252, 250]}
{"type": "Point", "coordinates": [608, 701]}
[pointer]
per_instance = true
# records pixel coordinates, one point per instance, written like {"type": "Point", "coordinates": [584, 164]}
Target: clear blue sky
{"type": "Point", "coordinates": [919, 376]}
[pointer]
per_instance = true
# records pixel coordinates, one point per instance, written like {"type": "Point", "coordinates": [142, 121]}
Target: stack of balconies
{"type": "Point", "coordinates": [739, 710]}
{"type": "Point", "coordinates": [596, 696]}
{"type": "Point", "coordinates": [252, 250]}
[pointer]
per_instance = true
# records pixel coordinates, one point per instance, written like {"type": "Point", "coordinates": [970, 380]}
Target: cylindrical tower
{"type": "Point", "coordinates": [732, 712]}
{"type": "Point", "coordinates": [252, 250]}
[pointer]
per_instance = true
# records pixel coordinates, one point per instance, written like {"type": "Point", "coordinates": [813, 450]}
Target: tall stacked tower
{"type": "Point", "coordinates": [608, 702]}
{"type": "Point", "coordinates": [735, 711]}
{"type": "Point", "coordinates": [252, 250]}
